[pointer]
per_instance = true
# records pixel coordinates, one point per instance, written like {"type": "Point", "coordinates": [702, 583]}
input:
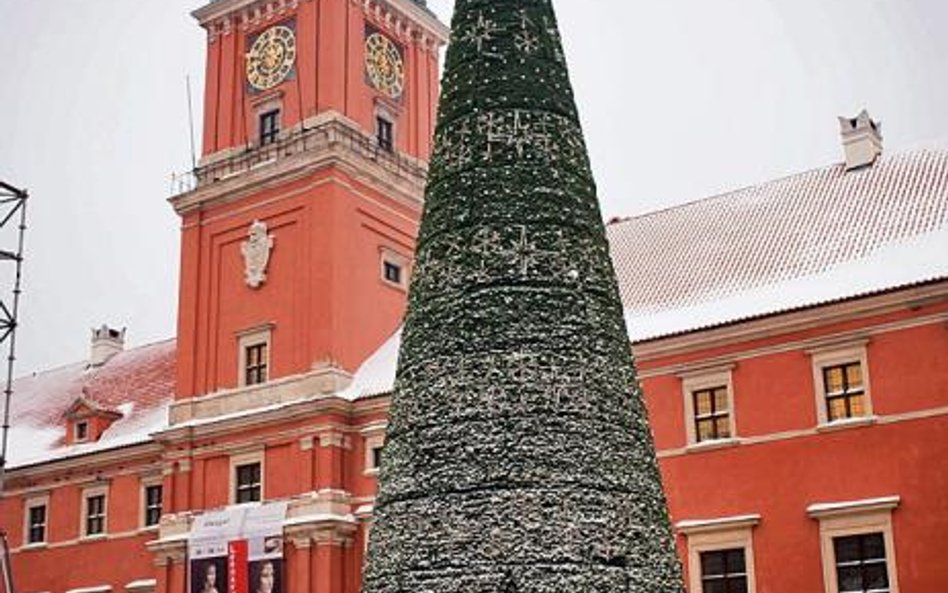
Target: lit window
{"type": "Point", "coordinates": [844, 391]}
{"type": "Point", "coordinates": [82, 431]}
{"type": "Point", "coordinates": [153, 496]}
{"type": "Point", "coordinates": [723, 571]}
{"type": "Point", "coordinates": [95, 514]}
{"type": "Point", "coordinates": [248, 485]}
{"type": "Point", "coordinates": [841, 381]}
{"type": "Point", "coordinates": [255, 369]}
{"type": "Point", "coordinates": [861, 564]}
{"type": "Point", "coordinates": [712, 414]}
{"type": "Point", "coordinates": [269, 126]}
{"type": "Point", "coordinates": [36, 524]}
{"type": "Point", "coordinates": [385, 133]}
{"type": "Point", "coordinates": [709, 405]}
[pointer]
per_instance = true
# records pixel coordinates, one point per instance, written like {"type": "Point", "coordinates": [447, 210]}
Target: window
{"type": "Point", "coordinates": [712, 414]}
{"type": "Point", "coordinates": [841, 380]}
{"type": "Point", "coordinates": [82, 431]}
{"type": "Point", "coordinates": [248, 484]}
{"type": "Point", "coordinates": [843, 388]}
{"type": "Point", "coordinates": [723, 571]}
{"type": "Point", "coordinates": [377, 456]}
{"type": "Point", "coordinates": [861, 564]}
{"type": "Point", "coordinates": [857, 545]}
{"type": "Point", "coordinates": [374, 445]}
{"type": "Point", "coordinates": [95, 514]}
{"type": "Point", "coordinates": [385, 133]}
{"type": "Point", "coordinates": [720, 554]}
{"type": "Point", "coordinates": [393, 268]}
{"type": "Point", "coordinates": [36, 524]}
{"type": "Point", "coordinates": [709, 406]}
{"type": "Point", "coordinates": [255, 369]}
{"type": "Point", "coordinates": [393, 272]}
{"type": "Point", "coordinates": [253, 360]}
{"type": "Point", "coordinates": [153, 495]}
{"type": "Point", "coordinates": [269, 126]}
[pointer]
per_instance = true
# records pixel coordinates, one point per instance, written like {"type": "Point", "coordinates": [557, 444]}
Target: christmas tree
{"type": "Point", "coordinates": [518, 457]}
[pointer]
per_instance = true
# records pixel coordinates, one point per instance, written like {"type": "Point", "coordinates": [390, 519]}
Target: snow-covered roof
{"type": "Point", "coordinates": [804, 240]}
{"type": "Point", "coordinates": [138, 384]}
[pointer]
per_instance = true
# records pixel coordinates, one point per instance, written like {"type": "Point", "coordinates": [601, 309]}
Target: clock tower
{"type": "Point", "coordinates": [298, 227]}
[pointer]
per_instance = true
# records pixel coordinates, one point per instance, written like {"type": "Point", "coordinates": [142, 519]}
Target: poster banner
{"type": "Point", "coordinates": [237, 550]}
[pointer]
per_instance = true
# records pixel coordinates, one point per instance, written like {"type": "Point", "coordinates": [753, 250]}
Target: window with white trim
{"type": "Point", "coordinates": [94, 512]}
{"type": "Point", "coordinates": [37, 517]}
{"type": "Point", "coordinates": [394, 268]}
{"type": "Point", "coordinates": [153, 495]}
{"type": "Point", "coordinates": [709, 405]}
{"type": "Point", "coordinates": [253, 358]}
{"type": "Point", "coordinates": [247, 477]}
{"type": "Point", "coordinates": [720, 554]}
{"type": "Point", "coordinates": [841, 381]}
{"type": "Point", "coordinates": [857, 545]}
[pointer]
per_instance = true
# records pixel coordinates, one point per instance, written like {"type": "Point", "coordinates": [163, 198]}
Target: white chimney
{"type": "Point", "coordinates": [862, 140]}
{"type": "Point", "coordinates": [106, 343]}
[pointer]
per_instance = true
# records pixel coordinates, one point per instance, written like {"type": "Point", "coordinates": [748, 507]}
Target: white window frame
{"type": "Point", "coordinates": [88, 493]}
{"type": "Point", "coordinates": [32, 502]}
{"type": "Point", "coordinates": [75, 431]}
{"type": "Point", "coordinates": [861, 517]}
{"type": "Point", "coordinates": [383, 111]}
{"type": "Point", "coordinates": [390, 256]}
{"type": "Point", "coordinates": [147, 483]}
{"type": "Point", "coordinates": [247, 459]}
{"type": "Point", "coordinates": [708, 378]}
{"type": "Point", "coordinates": [835, 355]}
{"type": "Point", "coordinates": [254, 337]}
{"type": "Point", "coordinates": [715, 535]}
{"type": "Point", "coordinates": [373, 438]}
{"type": "Point", "coordinates": [265, 104]}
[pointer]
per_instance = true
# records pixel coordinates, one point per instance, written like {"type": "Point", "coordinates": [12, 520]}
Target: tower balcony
{"type": "Point", "coordinates": [328, 139]}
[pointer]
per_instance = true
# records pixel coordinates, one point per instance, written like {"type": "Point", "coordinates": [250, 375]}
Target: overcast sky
{"type": "Point", "coordinates": [680, 99]}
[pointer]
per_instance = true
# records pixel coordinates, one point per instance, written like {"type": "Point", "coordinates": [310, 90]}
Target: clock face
{"type": "Point", "coordinates": [271, 58]}
{"type": "Point", "coordinates": [384, 65]}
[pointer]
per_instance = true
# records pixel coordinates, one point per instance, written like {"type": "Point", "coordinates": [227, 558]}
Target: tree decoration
{"type": "Point", "coordinates": [518, 457]}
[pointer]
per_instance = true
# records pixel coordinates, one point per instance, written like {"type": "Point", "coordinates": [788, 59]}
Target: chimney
{"type": "Point", "coordinates": [862, 140]}
{"type": "Point", "coordinates": [106, 343]}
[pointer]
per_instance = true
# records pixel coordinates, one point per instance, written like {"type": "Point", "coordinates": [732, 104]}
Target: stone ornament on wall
{"type": "Point", "coordinates": [256, 250]}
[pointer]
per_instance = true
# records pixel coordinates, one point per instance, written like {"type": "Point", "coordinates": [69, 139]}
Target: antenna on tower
{"type": "Point", "coordinates": [187, 80]}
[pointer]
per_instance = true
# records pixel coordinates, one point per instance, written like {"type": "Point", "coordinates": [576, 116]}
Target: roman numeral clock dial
{"type": "Point", "coordinates": [271, 58]}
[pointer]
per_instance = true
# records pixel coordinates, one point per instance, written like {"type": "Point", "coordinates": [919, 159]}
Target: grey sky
{"type": "Point", "coordinates": [680, 99]}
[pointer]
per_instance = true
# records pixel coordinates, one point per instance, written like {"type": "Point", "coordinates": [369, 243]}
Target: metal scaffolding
{"type": "Point", "coordinates": [12, 212]}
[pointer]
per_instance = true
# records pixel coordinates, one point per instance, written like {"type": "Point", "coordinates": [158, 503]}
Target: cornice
{"type": "Point", "coordinates": [91, 461]}
{"type": "Point", "coordinates": [823, 315]}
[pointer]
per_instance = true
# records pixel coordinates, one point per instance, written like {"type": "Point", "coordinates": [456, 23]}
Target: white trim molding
{"type": "Point", "coordinates": [840, 353]}
{"type": "Point", "coordinates": [714, 535]}
{"type": "Point", "coordinates": [699, 379]}
{"type": "Point", "coordinates": [259, 457]}
{"type": "Point", "coordinates": [142, 586]}
{"type": "Point", "coordinates": [858, 517]}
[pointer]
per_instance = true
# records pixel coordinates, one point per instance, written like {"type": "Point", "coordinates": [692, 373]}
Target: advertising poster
{"type": "Point", "coordinates": [237, 550]}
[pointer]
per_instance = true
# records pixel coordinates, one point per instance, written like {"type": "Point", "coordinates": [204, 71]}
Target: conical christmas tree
{"type": "Point", "coordinates": [518, 457]}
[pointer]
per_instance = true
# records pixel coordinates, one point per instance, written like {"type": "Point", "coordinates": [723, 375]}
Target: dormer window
{"type": "Point", "coordinates": [87, 420]}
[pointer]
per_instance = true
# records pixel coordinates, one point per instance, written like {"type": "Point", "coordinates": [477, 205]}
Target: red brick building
{"type": "Point", "coordinates": [792, 339]}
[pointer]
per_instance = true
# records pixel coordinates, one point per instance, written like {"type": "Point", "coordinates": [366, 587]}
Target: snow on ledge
{"type": "Point", "coordinates": [720, 524]}
{"type": "Point", "coordinates": [319, 518]}
{"type": "Point", "coordinates": [831, 509]}
{"type": "Point", "coordinates": [96, 589]}
{"type": "Point", "coordinates": [142, 585]}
